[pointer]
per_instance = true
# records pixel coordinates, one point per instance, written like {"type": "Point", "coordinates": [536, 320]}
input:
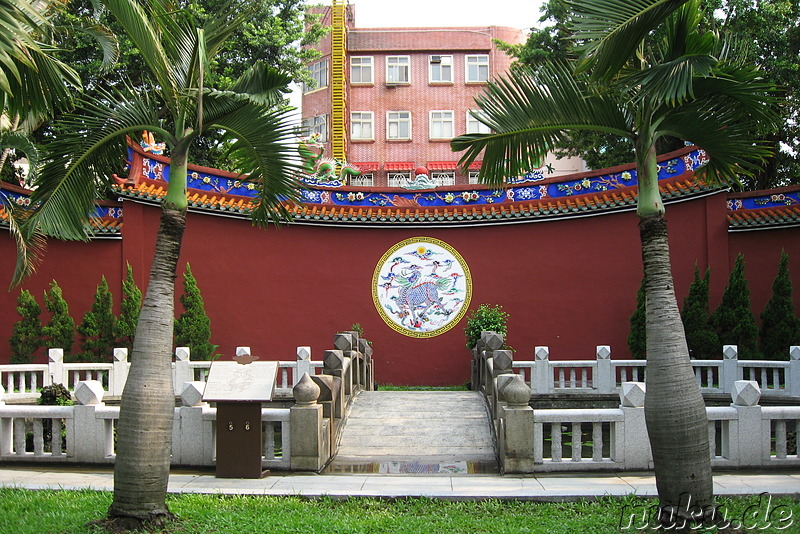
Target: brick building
{"type": "Point", "coordinates": [401, 95]}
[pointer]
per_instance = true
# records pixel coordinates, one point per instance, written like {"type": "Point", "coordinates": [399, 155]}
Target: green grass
{"type": "Point", "coordinates": [67, 512]}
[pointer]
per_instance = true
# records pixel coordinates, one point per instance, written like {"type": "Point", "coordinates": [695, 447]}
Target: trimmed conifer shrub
{"type": "Point", "coordinates": [780, 326]}
{"type": "Point", "coordinates": [130, 307]}
{"type": "Point", "coordinates": [700, 335]}
{"type": "Point", "coordinates": [637, 338]}
{"type": "Point", "coordinates": [98, 328]}
{"type": "Point", "coordinates": [193, 327]}
{"type": "Point", "coordinates": [26, 336]}
{"type": "Point", "coordinates": [59, 332]}
{"type": "Point", "coordinates": [733, 320]}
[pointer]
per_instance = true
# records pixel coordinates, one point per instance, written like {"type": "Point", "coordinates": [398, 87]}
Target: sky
{"type": "Point", "coordinates": [520, 14]}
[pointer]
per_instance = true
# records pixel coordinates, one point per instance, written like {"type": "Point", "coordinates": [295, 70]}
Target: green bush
{"type": "Point", "coordinates": [733, 320]}
{"type": "Point", "coordinates": [700, 335]}
{"type": "Point", "coordinates": [129, 311]}
{"type": "Point", "coordinates": [485, 318]}
{"type": "Point", "coordinates": [55, 395]}
{"type": "Point", "coordinates": [637, 338]}
{"type": "Point", "coordinates": [780, 327]}
{"type": "Point", "coordinates": [193, 327]}
{"type": "Point", "coordinates": [98, 328]}
{"type": "Point", "coordinates": [59, 332]}
{"type": "Point", "coordinates": [26, 336]}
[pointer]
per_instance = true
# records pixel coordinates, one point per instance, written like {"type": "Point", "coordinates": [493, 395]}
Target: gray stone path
{"type": "Point", "coordinates": [408, 432]}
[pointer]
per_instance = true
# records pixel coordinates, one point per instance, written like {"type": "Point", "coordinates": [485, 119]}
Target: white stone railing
{"type": "Point", "coordinates": [24, 382]}
{"type": "Point", "coordinates": [89, 431]}
{"type": "Point", "coordinates": [604, 375]}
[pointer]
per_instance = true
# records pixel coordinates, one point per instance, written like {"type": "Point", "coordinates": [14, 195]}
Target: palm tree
{"type": "Point", "coordinates": [178, 109]}
{"type": "Point", "coordinates": [647, 71]}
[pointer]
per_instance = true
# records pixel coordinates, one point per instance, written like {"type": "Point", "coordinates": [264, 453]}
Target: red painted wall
{"type": "Point", "coordinates": [570, 284]}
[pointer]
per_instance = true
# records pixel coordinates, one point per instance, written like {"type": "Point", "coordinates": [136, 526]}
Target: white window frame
{"type": "Point", "coordinates": [319, 74]}
{"type": "Point", "coordinates": [444, 177]}
{"type": "Point", "coordinates": [441, 119]}
{"type": "Point", "coordinates": [362, 119]}
{"type": "Point", "coordinates": [366, 179]}
{"type": "Point", "coordinates": [480, 62]}
{"type": "Point", "coordinates": [438, 68]}
{"type": "Point", "coordinates": [317, 124]}
{"type": "Point", "coordinates": [473, 177]}
{"type": "Point", "coordinates": [398, 178]}
{"type": "Point", "coordinates": [398, 70]}
{"type": "Point", "coordinates": [396, 119]}
{"type": "Point", "coordinates": [473, 124]}
{"type": "Point", "coordinates": [362, 65]}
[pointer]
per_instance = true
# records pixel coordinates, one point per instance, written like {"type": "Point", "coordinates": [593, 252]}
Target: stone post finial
{"type": "Point", "coordinates": [333, 359]}
{"type": "Point", "coordinates": [306, 392]}
{"type": "Point", "coordinates": [746, 393]}
{"type": "Point", "coordinates": [493, 340]}
{"type": "Point", "coordinates": [541, 353]}
{"type": "Point", "coordinates": [55, 355]}
{"type": "Point", "coordinates": [182, 354]}
{"type": "Point", "coordinates": [730, 352]}
{"type": "Point", "coordinates": [603, 352]}
{"type": "Point", "coordinates": [516, 392]}
{"type": "Point", "coordinates": [343, 341]}
{"type": "Point", "coordinates": [631, 394]}
{"type": "Point", "coordinates": [120, 354]}
{"type": "Point", "coordinates": [794, 352]}
{"type": "Point", "coordinates": [304, 353]}
{"type": "Point", "coordinates": [192, 393]}
{"type": "Point", "coordinates": [89, 392]}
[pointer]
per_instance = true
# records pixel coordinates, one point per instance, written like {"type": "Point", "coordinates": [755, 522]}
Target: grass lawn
{"type": "Point", "coordinates": [52, 512]}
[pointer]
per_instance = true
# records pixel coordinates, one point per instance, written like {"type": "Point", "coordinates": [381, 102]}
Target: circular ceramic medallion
{"type": "Point", "coordinates": [421, 287]}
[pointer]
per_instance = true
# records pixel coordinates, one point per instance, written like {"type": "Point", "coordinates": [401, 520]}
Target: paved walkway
{"type": "Point", "coordinates": [456, 487]}
{"type": "Point", "coordinates": [416, 432]}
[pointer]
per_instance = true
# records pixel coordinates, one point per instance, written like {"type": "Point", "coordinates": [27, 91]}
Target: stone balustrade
{"type": "Point", "coordinates": [84, 433]}
{"type": "Point", "coordinates": [742, 435]}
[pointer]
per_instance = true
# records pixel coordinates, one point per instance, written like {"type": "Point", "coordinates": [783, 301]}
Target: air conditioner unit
{"type": "Point", "coordinates": [436, 59]}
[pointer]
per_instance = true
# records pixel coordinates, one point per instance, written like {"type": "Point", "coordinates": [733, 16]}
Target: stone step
{"type": "Point", "coordinates": [416, 432]}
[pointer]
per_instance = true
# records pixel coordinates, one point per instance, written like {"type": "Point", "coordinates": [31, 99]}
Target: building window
{"type": "Point", "coordinates": [366, 179]}
{"type": "Point", "coordinates": [317, 125]}
{"type": "Point", "coordinates": [473, 177]}
{"type": "Point", "coordinates": [444, 177]}
{"type": "Point", "coordinates": [399, 179]}
{"type": "Point", "coordinates": [361, 126]}
{"type": "Point", "coordinates": [474, 125]}
{"type": "Point", "coordinates": [440, 69]}
{"type": "Point", "coordinates": [398, 69]}
{"type": "Point", "coordinates": [361, 69]}
{"type": "Point", "coordinates": [398, 125]}
{"type": "Point", "coordinates": [477, 68]}
{"type": "Point", "coordinates": [441, 126]}
{"type": "Point", "coordinates": [319, 75]}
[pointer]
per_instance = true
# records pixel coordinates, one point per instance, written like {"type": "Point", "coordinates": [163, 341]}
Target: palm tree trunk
{"type": "Point", "coordinates": [675, 413]}
{"type": "Point", "coordinates": [144, 430]}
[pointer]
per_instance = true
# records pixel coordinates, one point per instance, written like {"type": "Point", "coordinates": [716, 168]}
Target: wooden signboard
{"type": "Point", "coordinates": [239, 389]}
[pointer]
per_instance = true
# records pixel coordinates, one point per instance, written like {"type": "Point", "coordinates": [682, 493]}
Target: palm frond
{"type": "Point", "coordinates": [529, 113]}
{"type": "Point", "coordinates": [23, 143]}
{"type": "Point", "coordinates": [29, 241]}
{"type": "Point", "coordinates": [263, 84]}
{"type": "Point", "coordinates": [263, 146]}
{"type": "Point", "coordinates": [104, 38]}
{"type": "Point", "coordinates": [611, 31]}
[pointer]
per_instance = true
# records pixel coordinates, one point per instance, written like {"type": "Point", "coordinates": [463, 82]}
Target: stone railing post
{"type": "Point", "coordinates": [2, 394]}
{"type": "Point", "coordinates": [119, 372]}
{"type": "Point", "coordinates": [632, 444]}
{"type": "Point", "coordinates": [793, 376]}
{"type": "Point", "coordinates": [541, 376]}
{"type": "Point", "coordinates": [343, 344]}
{"type": "Point", "coordinates": [603, 379]}
{"type": "Point", "coordinates": [730, 367]}
{"type": "Point", "coordinates": [347, 342]}
{"type": "Point", "coordinates": [91, 439]}
{"type": "Point", "coordinates": [492, 342]}
{"type": "Point", "coordinates": [194, 443]}
{"type": "Point", "coordinates": [368, 373]}
{"type": "Point", "coordinates": [516, 427]}
{"type": "Point", "coordinates": [55, 367]}
{"type": "Point", "coordinates": [750, 435]}
{"type": "Point", "coordinates": [310, 447]}
{"type": "Point", "coordinates": [303, 364]}
{"type": "Point", "coordinates": [181, 372]}
{"type": "Point", "coordinates": [6, 429]}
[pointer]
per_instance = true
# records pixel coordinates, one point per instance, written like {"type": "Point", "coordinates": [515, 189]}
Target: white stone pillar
{"type": "Point", "coordinates": [633, 443]}
{"type": "Point", "coordinates": [119, 372]}
{"type": "Point", "coordinates": [181, 372]}
{"type": "Point", "coordinates": [92, 439]}
{"type": "Point", "coordinates": [750, 435]}
{"type": "Point", "coordinates": [793, 377]}
{"type": "Point", "coordinates": [303, 364]}
{"type": "Point", "coordinates": [541, 376]}
{"type": "Point", "coordinates": [192, 445]}
{"type": "Point", "coordinates": [730, 367]}
{"type": "Point", "coordinates": [603, 378]}
{"type": "Point", "coordinates": [309, 448]}
{"type": "Point", "coordinates": [55, 367]}
{"type": "Point", "coordinates": [517, 426]}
